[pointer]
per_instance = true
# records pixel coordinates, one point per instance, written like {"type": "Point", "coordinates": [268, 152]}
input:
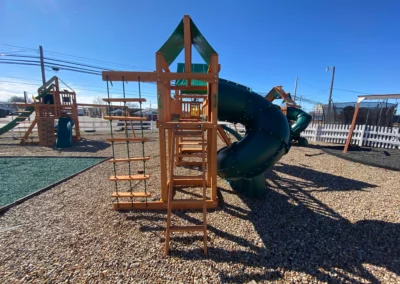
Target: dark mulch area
{"type": "Point", "coordinates": [376, 157]}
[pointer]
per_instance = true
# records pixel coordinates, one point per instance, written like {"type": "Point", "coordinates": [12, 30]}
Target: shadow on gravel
{"type": "Point", "coordinates": [86, 146]}
{"type": "Point", "coordinates": [300, 233]}
{"type": "Point", "coordinates": [375, 157]}
{"type": "Point", "coordinates": [321, 181]}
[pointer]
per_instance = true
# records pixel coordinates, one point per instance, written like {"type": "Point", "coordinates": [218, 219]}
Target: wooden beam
{"type": "Point", "coordinates": [164, 64]}
{"type": "Point", "coordinates": [95, 105]}
{"type": "Point", "coordinates": [163, 164]}
{"type": "Point", "coordinates": [353, 123]}
{"type": "Point", "coordinates": [192, 88]}
{"type": "Point", "coordinates": [157, 77]}
{"type": "Point", "coordinates": [187, 39]}
{"type": "Point", "coordinates": [160, 205]}
{"type": "Point", "coordinates": [379, 97]}
{"type": "Point", "coordinates": [186, 125]}
{"type": "Point", "coordinates": [224, 137]}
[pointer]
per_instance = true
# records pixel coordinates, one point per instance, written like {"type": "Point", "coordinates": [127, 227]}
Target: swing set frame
{"type": "Point", "coordinates": [359, 100]}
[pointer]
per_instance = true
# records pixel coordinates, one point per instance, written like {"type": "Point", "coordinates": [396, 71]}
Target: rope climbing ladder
{"type": "Point", "coordinates": [128, 141]}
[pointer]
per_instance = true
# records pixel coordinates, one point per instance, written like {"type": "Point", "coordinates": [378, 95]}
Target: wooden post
{"type": "Point", "coordinates": [188, 45]}
{"type": "Point", "coordinates": [353, 123]}
{"type": "Point", "coordinates": [214, 119]}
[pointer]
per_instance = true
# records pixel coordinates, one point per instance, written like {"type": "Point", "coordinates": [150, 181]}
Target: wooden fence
{"type": "Point", "coordinates": [363, 135]}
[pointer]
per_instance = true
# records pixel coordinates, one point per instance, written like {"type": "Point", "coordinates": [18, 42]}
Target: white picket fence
{"type": "Point", "coordinates": [363, 135]}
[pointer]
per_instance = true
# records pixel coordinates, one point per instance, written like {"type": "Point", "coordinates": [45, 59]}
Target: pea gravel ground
{"type": "Point", "coordinates": [325, 219]}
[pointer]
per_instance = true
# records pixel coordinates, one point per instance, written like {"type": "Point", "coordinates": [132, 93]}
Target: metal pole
{"type": "Point", "coordinates": [295, 89]}
{"type": "Point", "coordinates": [330, 94]}
{"type": "Point", "coordinates": [42, 64]}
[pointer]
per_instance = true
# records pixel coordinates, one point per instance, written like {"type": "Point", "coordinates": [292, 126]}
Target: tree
{"type": "Point", "coordinates": [16, 99]}
{"type": "Point", "coordinates": [98, 101]}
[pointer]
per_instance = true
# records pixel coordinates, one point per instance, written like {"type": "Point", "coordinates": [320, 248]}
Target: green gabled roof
{"type": "Point", "coordinates": [196, 68]}
{"type": "Point", "coordinates": [175, 44]}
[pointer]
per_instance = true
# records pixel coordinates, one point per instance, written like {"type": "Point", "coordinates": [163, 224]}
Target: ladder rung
{"type": "Point", "coordinates": [188, 201]}
{"type": "Point", "coordinates": [129, 160]}
{"type": "Point", "coordinates": [189, 163]}
{"type": "Point", "coordinates": [193, 155]}
{"type": "Point", "coordinates": [194, 228]}
{"type": "Point", "coordinates": [131, 194]}
{"type": "Point", "coordinates": [125, 118]}
{"type": "Point", "coordinates": [127, 139]}
{"type": "Point", "coordinates": [192, 150]}
{"type": "Point", "coordinates": [187, 177]}
{"type": "Point", "coordinates": [192, 143]}
{"type": "Point", "coordinates": [131, 177]}
{"type": "Point", "coordinates": [130, 100]}
{"type": "Point", "coordinates": [188, 133]}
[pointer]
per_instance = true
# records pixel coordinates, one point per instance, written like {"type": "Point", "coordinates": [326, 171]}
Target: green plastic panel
{"type": "Point", "coordinates": [201, 44]}
{"type": "Point", "coordinates": [175, 44]}
{"type": "Point", "coordinates": [196, 68]}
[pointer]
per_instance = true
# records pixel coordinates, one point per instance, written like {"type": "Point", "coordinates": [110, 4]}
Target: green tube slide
{"type": "Point", "coordinates": [64, 132]}
{"type": "Point", "coordinates": [301, 121]}
{"type": "Point", "coordinates": [265, 142]}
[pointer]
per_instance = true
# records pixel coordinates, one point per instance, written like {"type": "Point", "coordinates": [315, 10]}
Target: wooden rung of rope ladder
{"type": "Point", "coordinates": [131, 194]}
{"type": "Point", "coordinates": [127, 139]}
{"type": "Point", "coordinates": [176, 133]}
{"type": "Point", "coordinates": [129, 177]}
{"type": "Point", "coordinates": [131, 100]}
{"type": "Point", "coordinates": [129, 160]}
{"type": "Point", "coordinates": [125, 118]}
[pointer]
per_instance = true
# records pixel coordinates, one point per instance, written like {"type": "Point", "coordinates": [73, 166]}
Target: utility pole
{"type": "Point", "coordinates": [295, 88]}
{"type": "Point", "coordinates": [330, 93]}
{"type": "Point", "coordinates": [150, 104]}
{"type": "Point", "coordinates": [42, 64]}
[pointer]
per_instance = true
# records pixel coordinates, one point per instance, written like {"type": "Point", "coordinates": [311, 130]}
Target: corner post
{"type": "Point", "coordinates": [353, 123]}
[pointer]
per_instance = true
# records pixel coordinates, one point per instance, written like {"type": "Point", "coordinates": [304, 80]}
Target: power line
{"type": "Point", "coordinates": [81, 57]}
{"type": "Point", "coordinates": [350, 91]}
{"type": "Point", "coordinates": [81, 89]}
{"type": "Point", "coordinates": [78, 85]}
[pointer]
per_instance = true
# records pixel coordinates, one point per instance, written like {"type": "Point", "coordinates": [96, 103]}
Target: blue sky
{"type": "Point", "coordinates": [261, 44]}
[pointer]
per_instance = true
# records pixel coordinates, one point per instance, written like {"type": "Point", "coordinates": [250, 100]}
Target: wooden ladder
{"type": "Point", "coordinates": [177, 133]}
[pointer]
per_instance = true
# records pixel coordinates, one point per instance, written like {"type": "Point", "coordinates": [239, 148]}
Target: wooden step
{"type": "Point", "coordinates": [192, 143]}
{"type": "Point", "coordinates": [188, 177]}
{"type": "Point", "coordinates": [191, 150]}
{"type": "Point", "coordinates": [125, 118]}
{"type": "Point", "coordinates": [129, 160]}
{"type": "Point", "coordinates": [193, 228]}
{"type": "Point", "coordinates": [192, 202]}
{"type": "Point", "coordinates": [131, 194]}
{"type": "Point", "coordinates": [130, 100]}
{"type": "Point", "coordinates": [188, 133]}
{"type": "Point", "coordinates": [131, 177]}
{"type": "Point", "coordinates": [127, 139]}
{"type": "Point", "coordinates": [191, 155]}
{"type": "Point", "coordinates": [189, 163]}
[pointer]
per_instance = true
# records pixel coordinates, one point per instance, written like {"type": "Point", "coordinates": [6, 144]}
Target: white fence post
{"type": "Point", "coordinates": [361, 138]}
{"type": "Point", "coordinates": [363, 135]}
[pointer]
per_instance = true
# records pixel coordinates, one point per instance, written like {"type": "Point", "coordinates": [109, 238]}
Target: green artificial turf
{"type": "Point", "coordinates": [21, 176]}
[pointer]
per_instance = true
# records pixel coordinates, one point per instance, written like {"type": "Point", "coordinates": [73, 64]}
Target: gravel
{"type": "Point", "coordinates": [324, 219]}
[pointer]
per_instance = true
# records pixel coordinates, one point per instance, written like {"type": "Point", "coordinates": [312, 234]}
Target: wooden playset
{"type": "Point", "coordinates": [51, 103]}
{"type": "Point", "coordinates": [278, 93]}
{"type": "Point", "coordinates": [186, 118]}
